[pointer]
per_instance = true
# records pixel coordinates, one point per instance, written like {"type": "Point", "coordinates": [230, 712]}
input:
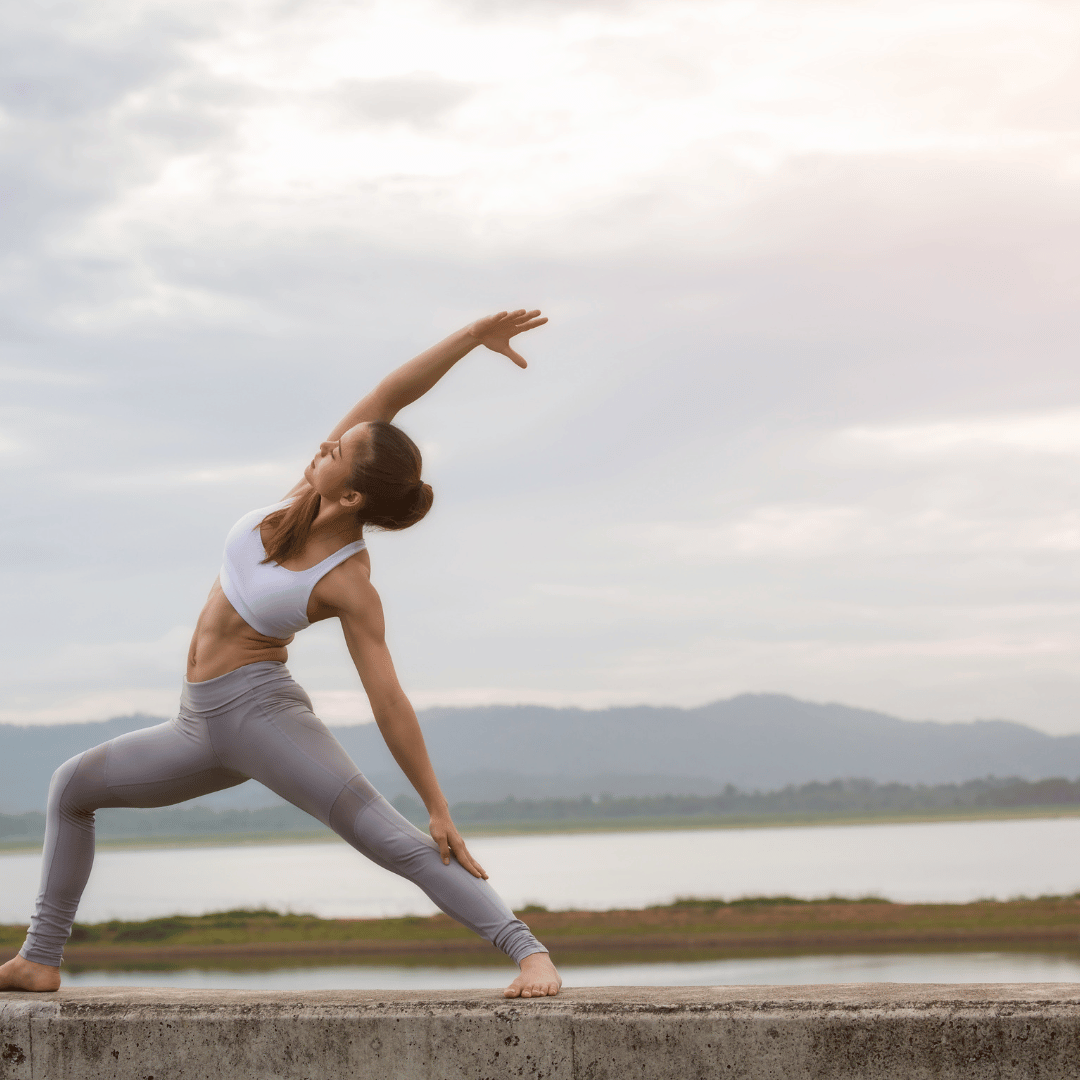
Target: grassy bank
{"type": "Point", "coordinates": [318, 834]}
{"type": "Point", "coordinates": [686, 930]}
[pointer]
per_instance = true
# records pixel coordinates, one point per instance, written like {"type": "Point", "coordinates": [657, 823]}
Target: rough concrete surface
{"type": "Point", "coordinates": [868, 1031]}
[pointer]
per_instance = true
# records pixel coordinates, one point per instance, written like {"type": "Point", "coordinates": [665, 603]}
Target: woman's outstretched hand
{"type": "Point", "coordinates": [495, 331]}
{"type": "Point", "coordinates": [445, 834]}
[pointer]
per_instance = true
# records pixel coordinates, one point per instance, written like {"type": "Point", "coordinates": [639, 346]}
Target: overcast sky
{"type": "Point", "coordinates": [806, 417]}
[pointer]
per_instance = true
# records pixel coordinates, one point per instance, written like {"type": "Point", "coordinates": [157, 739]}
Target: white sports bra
{"type": "Point", "coordinates": [268, 597]}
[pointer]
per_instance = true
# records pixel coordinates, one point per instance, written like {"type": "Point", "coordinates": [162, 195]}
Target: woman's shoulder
{"type": "Point", "coordinates": [347, 589]}
{"type": "Point", "coordinates": [353, 571]}
{"type": "Point", "coordinates": [356, 566]}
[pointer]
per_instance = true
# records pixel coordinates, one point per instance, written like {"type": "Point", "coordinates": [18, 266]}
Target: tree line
{"type": "Point", "coordinates": [817, 799]}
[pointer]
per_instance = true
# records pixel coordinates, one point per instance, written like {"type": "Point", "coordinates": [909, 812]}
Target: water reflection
{"type": "Point", "coordinates": [990, 967]}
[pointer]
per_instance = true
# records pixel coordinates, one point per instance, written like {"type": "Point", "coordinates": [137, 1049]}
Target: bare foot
{"type": "Point", "coordinates": [21, 974]}
{"type": "Point", "coordinates": [538, 978]}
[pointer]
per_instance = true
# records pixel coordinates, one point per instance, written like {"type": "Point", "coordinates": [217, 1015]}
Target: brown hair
{"type": "Point", "coordinates": [387, 474]}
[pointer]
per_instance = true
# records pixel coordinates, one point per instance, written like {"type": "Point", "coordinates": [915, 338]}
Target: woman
{"type": "Point", "coordinates": [242, 716]}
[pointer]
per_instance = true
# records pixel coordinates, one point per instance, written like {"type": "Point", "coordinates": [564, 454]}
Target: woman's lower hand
{"type": "Point", "coordinates": [445, 834]}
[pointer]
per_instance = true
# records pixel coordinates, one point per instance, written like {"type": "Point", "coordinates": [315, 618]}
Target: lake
{"type": "Point", "coordinates": [946, 861]}
{"type": "Point", "coordinates": [991, 967]}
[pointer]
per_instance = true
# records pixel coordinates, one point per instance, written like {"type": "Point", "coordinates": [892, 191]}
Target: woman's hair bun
{"type": "Point", "coordinates": [423, 497]}
{"type": "Point", "coordinates": [388, 476]}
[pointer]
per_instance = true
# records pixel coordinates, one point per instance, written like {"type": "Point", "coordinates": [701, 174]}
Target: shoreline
{"type": "Point", "coordinates": [687, 930]}
{"type": "Point", "coordinates": [573, 827]}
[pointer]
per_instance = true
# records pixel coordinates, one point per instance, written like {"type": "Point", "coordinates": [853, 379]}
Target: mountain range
{"type": "Point", "coordinates": [753, 741]}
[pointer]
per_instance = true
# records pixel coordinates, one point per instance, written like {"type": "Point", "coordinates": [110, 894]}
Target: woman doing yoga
{"type": "Point", "coordinates": [241, 715]}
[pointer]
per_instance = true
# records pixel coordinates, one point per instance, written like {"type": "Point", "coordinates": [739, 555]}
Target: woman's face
{"type": "Point", "coordinates": [331, 469]}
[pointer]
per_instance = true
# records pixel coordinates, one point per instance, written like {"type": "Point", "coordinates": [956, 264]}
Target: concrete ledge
{"type": "Point", "coordinates": [868, 1031]}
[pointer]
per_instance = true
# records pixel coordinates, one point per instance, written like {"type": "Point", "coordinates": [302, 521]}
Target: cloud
{"type": "Point", "coordinates": [284, 475]}
{"type": "Point", "coordinates": [804, 419]}
{"type": "Point", "coordinates": [827, 532]}
{"type": "Point", "coordinates": [1056, 432]}
{"type": "Point", "coordinates": [657, 126]}
{"type": "Point", "coordinates": [101, 705]}
{"type": "Point", "coordinates": [95, 679]}
{"type": "Point", "coordinates": [43, 377]}
{"type": "Point", "coordinates": [419, 99]}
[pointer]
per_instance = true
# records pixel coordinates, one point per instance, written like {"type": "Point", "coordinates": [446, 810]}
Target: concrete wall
{"type": "Point", "coordinates": [872, 1032]}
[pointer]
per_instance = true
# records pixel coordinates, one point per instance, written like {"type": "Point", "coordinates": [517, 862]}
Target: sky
{"type": "Point", "coordinates": [805, 419]}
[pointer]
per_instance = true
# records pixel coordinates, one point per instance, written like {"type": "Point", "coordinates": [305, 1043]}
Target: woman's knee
{"type": "Point", "coordinates": [75, 787]}
{"type": "Point", "coordinates": [60, 787]}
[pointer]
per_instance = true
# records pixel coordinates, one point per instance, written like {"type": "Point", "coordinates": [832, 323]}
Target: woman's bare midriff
{"type": "Point", "coordinates": [223, 642]}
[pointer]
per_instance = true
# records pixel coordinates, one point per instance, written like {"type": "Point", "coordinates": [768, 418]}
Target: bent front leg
{"type": "Point", "coordinates": [155, 766]}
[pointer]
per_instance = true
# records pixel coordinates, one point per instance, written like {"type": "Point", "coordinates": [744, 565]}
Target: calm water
{"type": "Point", "coordinates": [914, 862]}
{"type": "Point", "coordinates": [777, 971]}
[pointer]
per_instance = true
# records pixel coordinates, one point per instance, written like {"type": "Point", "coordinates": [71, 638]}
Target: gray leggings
{"type": "Point", "coordinates": [255, 722]}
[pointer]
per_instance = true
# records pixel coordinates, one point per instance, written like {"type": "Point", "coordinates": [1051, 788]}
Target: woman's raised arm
{"type": "Point", "coordinates": [414, 379]}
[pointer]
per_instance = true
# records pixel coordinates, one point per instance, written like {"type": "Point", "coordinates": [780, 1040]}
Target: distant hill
{"type": "Point", "coordinates": [754, 741]}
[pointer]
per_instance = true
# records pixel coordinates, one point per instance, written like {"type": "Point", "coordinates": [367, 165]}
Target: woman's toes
{"type": "Point", "coordinates": [537, 979]}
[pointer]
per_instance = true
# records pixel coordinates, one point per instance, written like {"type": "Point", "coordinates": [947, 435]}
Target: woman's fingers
{"type": "Point", "coordinates": [516, 318]}
{"type": "Point", "coordinates": [451, 843]}
{"type": "Point", "coordinates": [461, 852]}
{"type": "Point", "coordinates": [525, 320]}
{"type": "Point", "coordinates": [521, 327]}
